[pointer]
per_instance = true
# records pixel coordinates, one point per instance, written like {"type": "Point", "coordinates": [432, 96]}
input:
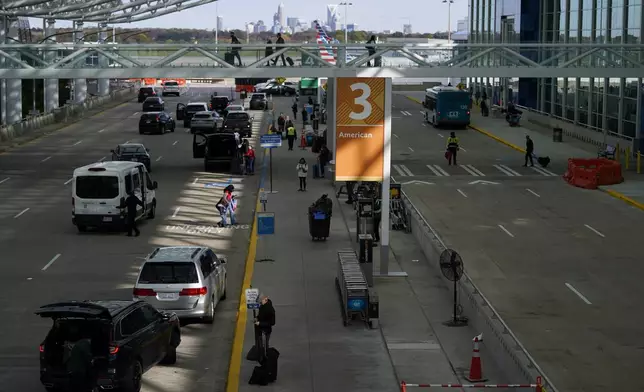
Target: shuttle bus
{"type": "Point", "coordinates": [447, 105]}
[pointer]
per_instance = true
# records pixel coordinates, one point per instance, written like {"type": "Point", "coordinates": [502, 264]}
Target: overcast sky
{"type": "Point", "coordinates": [424, 15]}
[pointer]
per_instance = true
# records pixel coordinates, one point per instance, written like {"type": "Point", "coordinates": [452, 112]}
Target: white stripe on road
{"type": "Point", "coordinates": [50, 262]}
{"type": "Point", "coordinates": [407, 171]}
{"type": "Point", "coordinates": [462, 193]}
{"type": "Point", "coordinates": [102, 130]}
{"type": "Point", "coordinates": [46, 159]}
{"type": "Point", "coordinates": [580, 295]}
{"type": "Point", "coordinates": [533, 192]}
{"type": "Point", "coordinates": [195, 181]}
{"type": "Point", "coordinates": [176, 211]}
{"type": "Point", "coordinates": [5, 180]}
{"type": "Point", "coordinates": [396, 136]}
{"type": "Point", "coordinates": [175, 143]}
{"type": "Point", "coordinates": [68, 181]}
{"type": "Point", "coordinates": [503, 170]}
{"type": "Point", "coordinates": [399, 170]}
{"type": "Point", "coordinates": [506, 231]}
{"type": "Point", "coordinates": [542, 171]}
{"type": "Point", "coordinates": [595, 231]}
{"type": "Point", "coordinates": [440, 135]}
{"type": "Point", "coordinates": [77, 143]}
{"type": "Point", "coordinates": [410, 149]}
{"type": "Point", "coordinates": [18, 215]}
{"type": "Point", "coordinates": [472, 170]}
{"type": "Point", "coordinates": [159, 158]}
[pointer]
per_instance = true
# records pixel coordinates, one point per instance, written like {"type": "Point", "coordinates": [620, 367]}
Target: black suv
{"type": "Point", "coordinates": [219, 103]}
{"type": "Point", "coordinates": [258, 101]}
{"type": "Point", "coordinates": [153, 104]}
{"type": "Point", "coordinates": [217, 149]}
{"type": "Point", "coordinates": [145, 92]}
{"type": "Point", "coordinates": [239, 122]}
{"type": "Point", "coordinates": [127, 338]}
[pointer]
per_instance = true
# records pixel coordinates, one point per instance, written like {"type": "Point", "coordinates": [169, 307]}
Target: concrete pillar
{"type": "Point", "coordinates": [103, 84]}
{"type": "Point", "coordinates": [3, 64]}
{"type": "Point", "coordinates": [11, 88]}
{"type": "Point", "coordinates": [330, 116]}
{"type": "Point", "coordinates": [80, 85]}
{"type": "Point", "coordinates": [51, 85]}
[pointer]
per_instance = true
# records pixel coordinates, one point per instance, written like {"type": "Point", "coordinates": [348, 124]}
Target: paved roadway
{"type": "Point", "coordinates": [36, 232]}
{"type": "Point", "coordinates": [562, 265]}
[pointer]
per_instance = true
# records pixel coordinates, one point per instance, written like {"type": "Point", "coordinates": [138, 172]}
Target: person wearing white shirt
{"type": "Point", "coordinates": [302, 170]}
{"type": "Point", "coordinates": [237, 137]}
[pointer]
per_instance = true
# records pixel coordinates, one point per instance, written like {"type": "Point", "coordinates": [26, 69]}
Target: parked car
{"type": "Point", "coordinates": [217, 149]}
{"type": "Point", "coordinates": [239, 122]}
{"type": "Point", "coordinates": [156, 122]}
{"type": "Point", "coordinates": [133, 152]}
{"type": "Point", "coordinates": [185, 112]}
{"type": "Point", "coordinates": [258, 101]}
{"type": "Point", "coordinates": [206, 122]}
{"type": "Point", "coordinates": [153, 104]}
{"type": "Point", "coordinates": [145, 92]}
{"type": "Point", "coordinates": [126, 339]}
{"type": "Point", "coordinates": [186, 280]}
{"type": "Point", "coordinates": [278, 89]}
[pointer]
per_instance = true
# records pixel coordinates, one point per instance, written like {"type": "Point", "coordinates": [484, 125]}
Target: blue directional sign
{"type": "Point", "coordinates": [270, 141]}
{"type": "Point", "coordinates": [356, 304]}
{"type": "Point", "coordinates": [265, 223]}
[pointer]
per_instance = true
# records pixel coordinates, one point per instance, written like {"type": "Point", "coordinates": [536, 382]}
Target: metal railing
{"type": "Point", "coordinates": [486, 303]}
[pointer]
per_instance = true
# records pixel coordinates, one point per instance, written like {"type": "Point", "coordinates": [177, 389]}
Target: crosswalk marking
{"type": "Point", "coordinates": [438, 171]}
{"type": "Point", "coordinates": [472, 170]}
{"type": "Point", "coordinates": [543, 171]}
{"type": "Point", "coordinates": [507, 171]}
{"type": "Point", "coordinates": [405, 113]}
{"type": "Point", "coordinates": [403, 171]}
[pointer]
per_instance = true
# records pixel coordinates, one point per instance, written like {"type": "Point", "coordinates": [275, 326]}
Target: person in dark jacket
{"type": "Point", "coordinates": [529, 151]}
{"type": "Point", "coordinates": [371, 49]}
{"type": "Point", "coordinates": [235, 50]}
{"type": "Point", "coordinates": [130, 203]}
{"type": "Point", "coordinates": [305, 116]}
{"type": "Point", "coordinates": [279, 41]}
{"type": "Point", "coordinates": [294, 108]}
{"type": "Point", "coordinates": [264, 323]}
{"type": "Point", "coordinates": [268, 52]}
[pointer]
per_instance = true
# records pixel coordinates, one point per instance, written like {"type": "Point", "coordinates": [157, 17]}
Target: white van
{"type": "Point", "coordinates": [99, 191]}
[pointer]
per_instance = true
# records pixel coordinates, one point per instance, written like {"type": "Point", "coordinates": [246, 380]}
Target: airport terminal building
{"type": "Point", "coordinates": [614, 104]}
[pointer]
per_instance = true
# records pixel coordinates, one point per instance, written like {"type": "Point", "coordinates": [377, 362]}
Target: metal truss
{"type": "Point", "coordinates": [101, 11]}
{"type": "Point", "coordinates": [35, 61]}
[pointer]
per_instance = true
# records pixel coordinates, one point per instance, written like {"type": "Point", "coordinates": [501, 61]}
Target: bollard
{"type": "Point", "coordinates": [627, 157]}
{"type": "Point", "coordinates": [639, 167]}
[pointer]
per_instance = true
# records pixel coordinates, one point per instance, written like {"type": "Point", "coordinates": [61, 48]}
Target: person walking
{"type": "Point", "coordinates": [264, 323]}
{"type": "Point", "coordinates": [290, 136]}
{"type": "Point", "coordinates": [302, 170]}
{"type": "Point", "coordinates": [281, 120]}
{"type": "Point", "coordinates": [131, 203]}
{"type": "Point", "coordinates": [377, 218]}
{"type": "Point", "coordinates": [235, 50]}
{"type": "Point", "coordinates": [279, 42]}
{"type": "Point", "coordinates": [452, 148]}
{"type": "Point", "coordinates": [268, 51]}
{"type": "Point", "coordinates": [529, 151]}
{"type": "Point", "coordinates": [250, 161]}
{"type": "Point", "coordinates": [371, 49]}
{"type": "Point", "coordinates": [305, 116]}
{"type": "Point", "coordinates": [323, 158]}
{"type": "Point", "coordinates": [294, 108]}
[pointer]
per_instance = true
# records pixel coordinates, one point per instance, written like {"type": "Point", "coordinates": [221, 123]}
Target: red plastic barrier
{"type": "Point", "coordinates": [591, 173]}
{"type": "Point", "coordinates": [244, 87]}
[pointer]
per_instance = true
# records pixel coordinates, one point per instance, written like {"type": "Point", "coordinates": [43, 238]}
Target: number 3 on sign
{"type": "Point", "coordinates": [361, 101]}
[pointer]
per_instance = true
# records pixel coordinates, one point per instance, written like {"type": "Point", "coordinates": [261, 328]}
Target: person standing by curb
{"type": "Point", "coordinates": [452, 148]}
{"type": "Point", "coordinates": [290, 136]}
{"type": "Point", "coordinates": [302, 170]}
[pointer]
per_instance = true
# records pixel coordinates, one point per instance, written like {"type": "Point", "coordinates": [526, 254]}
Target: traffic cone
{"type": "Point", "coordinates": [403, 387]}
{"type": "Point", "coordinates": [303, 142]}
{"type": "Point", "coordinates": [476, 370]}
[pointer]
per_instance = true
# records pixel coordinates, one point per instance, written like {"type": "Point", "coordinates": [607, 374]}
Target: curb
{"type": "Point", "coordinates": [623, 198]}
{"type": "Point", "coordinates": [486, 133]}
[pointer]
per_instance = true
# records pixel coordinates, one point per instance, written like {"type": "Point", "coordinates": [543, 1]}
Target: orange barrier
{"type": "Point", "coordinates": [591, 173]}
{"type": "Point", "coordinates": [244, 87]}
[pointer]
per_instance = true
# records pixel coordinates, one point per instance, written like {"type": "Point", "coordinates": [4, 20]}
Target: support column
{"type": "Point", "coordinates": [80, 85]}
{"type": "Point", "coordinates": [3, 64]}
{"type": "Point", "coordinates": [386, 181]}
{"type": "Point", "coordinates": [330, 117]}
{"type": "Point", "coordinates": [103, 62]}
{"type": "Point", "coordinates": [12, 88]}
{"type": "Point", "coordinates": [51, 85]}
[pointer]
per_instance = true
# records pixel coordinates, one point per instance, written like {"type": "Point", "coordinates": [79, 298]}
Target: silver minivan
{"type": "Point", "coordinates": [187, 280]}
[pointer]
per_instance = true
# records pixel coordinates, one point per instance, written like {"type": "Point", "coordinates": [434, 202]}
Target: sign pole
{"type": "Point", "coordinates": [270, 153]}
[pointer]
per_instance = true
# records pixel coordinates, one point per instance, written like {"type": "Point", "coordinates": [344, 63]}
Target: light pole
{"type": "Point", "coordinates": [346, 27]}
{"type": "Point", "coordinates": [217, 26]}
{"type": "Point", "coordinates": [449, 20]}
{"type": "Point", "coordinates": [408, 19]}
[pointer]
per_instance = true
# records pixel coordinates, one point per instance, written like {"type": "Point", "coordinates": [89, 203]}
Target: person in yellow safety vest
{"type": "Point", "coordinates": [290, 135]}
{"type": "Point", "coordinates": [452, 148]}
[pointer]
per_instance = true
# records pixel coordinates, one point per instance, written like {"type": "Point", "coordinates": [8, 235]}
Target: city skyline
{"type": "Point", "coordinates": [375, 15]}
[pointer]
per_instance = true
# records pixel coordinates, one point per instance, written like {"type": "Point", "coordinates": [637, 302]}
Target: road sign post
{"type": "Point", "coordinates": [270, 141]}
{"type": "Point", "coordinates": [252, 299]}
{"type": "Point", "coordinates": [263, 199]}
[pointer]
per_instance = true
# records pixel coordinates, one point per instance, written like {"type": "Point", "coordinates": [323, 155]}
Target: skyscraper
{"type": "Point", "coordinates": [280, 14]}
{"type": "Point", "coordinates": [332, 16]}
{"type": "Point", "coordinates": [220, 23]}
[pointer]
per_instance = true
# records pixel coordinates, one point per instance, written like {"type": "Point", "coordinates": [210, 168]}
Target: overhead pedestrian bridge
{"type": "Point", "coordinates": [113, 61]}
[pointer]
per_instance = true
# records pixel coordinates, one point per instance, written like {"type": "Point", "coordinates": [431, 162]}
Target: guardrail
{"type": "Point", "coordinates": [481, 312]}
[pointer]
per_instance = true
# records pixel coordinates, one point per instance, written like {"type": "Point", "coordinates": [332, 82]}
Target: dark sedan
{"type": "Point", "coordinates": [278, 89]}
{"type": "Point", "coordinates": [153, 104]}
{"type": "Point", "coordinates": [156, 122]}
{"type": "Point", "coordinates": [145, 92]}
{"type": "Point", "coordinates": [133, 152]}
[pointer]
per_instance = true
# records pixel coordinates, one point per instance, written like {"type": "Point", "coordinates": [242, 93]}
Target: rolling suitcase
{"type": "Point", "coordinates": [290, 61]}
{"type": "Point", "coordinates": [260, 376]}
{"type": "Point", "coordinates": [230, 58]}
{"type": "Point", "coordinates": [543, 161]}
{"type": "Point", "coordinates": [270, 364]}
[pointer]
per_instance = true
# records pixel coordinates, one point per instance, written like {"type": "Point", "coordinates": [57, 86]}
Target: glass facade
{"type": "Point", "coordinates": [614, 104]}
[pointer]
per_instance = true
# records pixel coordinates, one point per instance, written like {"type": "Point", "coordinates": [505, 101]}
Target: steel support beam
{"type": "Point", "coordinates": [103, 61]}
{"type": "Point", "coordinates": [80, 83]}
{"type": "Point", "coordinates": [51, 85]}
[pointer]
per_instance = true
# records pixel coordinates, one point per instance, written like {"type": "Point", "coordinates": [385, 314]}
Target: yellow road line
{"type": "Point", "coordinates": [623, 198]}
{"type": "Point", "coordinates": [234, 367]}
{"type": "Point", "coordinates": [482, 131]}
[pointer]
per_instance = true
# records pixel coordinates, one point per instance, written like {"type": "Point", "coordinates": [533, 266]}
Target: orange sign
{"type": "Point", "coordinates": [360, 129]}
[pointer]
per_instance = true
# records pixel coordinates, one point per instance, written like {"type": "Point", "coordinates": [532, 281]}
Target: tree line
{"type": "Point", "coordinates": [143, 36]}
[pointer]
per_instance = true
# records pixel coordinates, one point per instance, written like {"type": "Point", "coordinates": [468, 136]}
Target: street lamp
{"type": "Point", "coordinates": [449, 20]}
{"type": "Point", "coordinates": [346, 27]}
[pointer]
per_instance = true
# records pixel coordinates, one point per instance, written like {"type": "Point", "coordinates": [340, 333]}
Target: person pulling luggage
{"type": "Point", "coordinates": [377, 218]}
{"type": "Point", "coordinates": [452, 148]}
{"type": "Point", "coordinates": [264, 323]}
{"type": "Point", "coordinates": [371, 49]}
{"type": "Point", "coordinates": [268, 51]}
{"type": "Point", "coordinates": [290, 136]}
{"type": "Point", "coordinates": [235, 50]}
{"type": "Point", "coordinates": [279, 42]}
{"type": "Point", "coordinates": [529, 151]}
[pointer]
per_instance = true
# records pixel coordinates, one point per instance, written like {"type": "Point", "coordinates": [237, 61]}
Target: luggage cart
{"type": "Point", "coordinates": [399, 216]}
{"type": "Point", "coordinates": [352, 287]}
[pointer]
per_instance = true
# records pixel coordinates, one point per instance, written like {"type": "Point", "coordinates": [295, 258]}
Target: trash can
{"type": "Point", "coordinates": [557, 135]}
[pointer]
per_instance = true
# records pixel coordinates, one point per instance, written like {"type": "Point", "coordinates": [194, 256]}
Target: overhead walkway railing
{"type": "Point", "coordinates": [29, 61]}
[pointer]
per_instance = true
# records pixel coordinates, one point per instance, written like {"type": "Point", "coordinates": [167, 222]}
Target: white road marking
{"type": "Point", "coordinates": [462, 193]}
{"type": "Point", "coordinates": [406, 170]}
{"type": "Point", "coordinates": [396, 136]}
{"type": "Point", "coordinates": [18, 215]}
{"type": "Point", "coordinates": [462, 149]}
{"type": "Point", "coordinates": [580, 295]}
{"type": "Point", "coordinates": [127, 142]}
{"type": "Point", "coordinates": [595, 231]}
{"type": "Point", "coordinates": [102, 130]}
{"type": "Point", "coordinates": [68, 181]}
{"type": "Point", "coordinates": [503, 170]}
{"type": "Point", "coordinates": [175, 143]}
{"type": "Point", "coordinates": [423, 124]}
{"type": "Point", "coordinates": [102, 159]}
{"type": "Point", "coordinates": [50, 262]}
{"type": "Point", "coordinates": [440, 135]}
{"type": "Point", "coordinates": [506, 231]}
{"type": "Point", "coordinates": [159, 158]}
{"type": "Point", "coordinates": [195, 181]}
{"type": "Point", "coordinates": [512, 171]}
{"type": "Point", "coordinates": [46, 159]}
{"type": "Point", "coordinates": [421, 112]}
{"type": "Point", "coordinates": [399, 170]}
{"type": "Point", "coordinates": [410, 149]}
{"type": "Point", "coordinates": [533, 192]}
{"type": "Point", "coordinates": [5, 180]}
{"type": "Point", "coordinates": [472, 170]}
{"type": "Point", "coordinates": [542, 171]}
{"type": "Point", "coordinates": [77, 143]}
{"type": "Point", "coordinates": [176, 211]}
